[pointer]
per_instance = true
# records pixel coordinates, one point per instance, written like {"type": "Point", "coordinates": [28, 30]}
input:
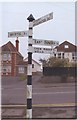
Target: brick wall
{"type": "Point", "coordinates": [13, 72]}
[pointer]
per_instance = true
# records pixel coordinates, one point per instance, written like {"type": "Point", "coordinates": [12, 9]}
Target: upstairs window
{"type": "Point", "coordinates": [66, 46]}
{"type": "Point", "coordinates": [6, 57]}
{"type": "Point", "coordinates": [9, 57]}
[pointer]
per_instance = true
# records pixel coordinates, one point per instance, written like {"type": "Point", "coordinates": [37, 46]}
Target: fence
{"type": "Point", "coordinates": [60, 71]}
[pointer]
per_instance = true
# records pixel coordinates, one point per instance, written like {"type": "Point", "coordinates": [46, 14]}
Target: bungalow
{"type": "Point", "coordinates": [36, 66]}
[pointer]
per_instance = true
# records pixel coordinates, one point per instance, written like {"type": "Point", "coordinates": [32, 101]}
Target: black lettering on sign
{"type": "Point", "coordinates": [48, 42]}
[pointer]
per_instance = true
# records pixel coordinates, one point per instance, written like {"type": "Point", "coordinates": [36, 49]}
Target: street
{"type": "Point", "coordinates": [54, 100]}
{"type": "Point", "coordinates": [15, 93]}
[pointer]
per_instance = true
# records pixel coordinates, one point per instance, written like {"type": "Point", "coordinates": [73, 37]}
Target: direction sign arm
{"type": "Point", "coordinates": [43, 19]}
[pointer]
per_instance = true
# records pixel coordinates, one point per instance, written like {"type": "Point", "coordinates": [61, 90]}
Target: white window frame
{"type": "Point", "coordinates": [6, 56]}
{"type": "Point", "coordinates": [6, 69]}
{"type": "Point", "coordinates": [66, 46]}
{"type": "Point", "coordinates": [21, 69]}
{"type": "Point", "coordinates": [9, 69]}
{"type": "Point", "coordinates": [9, 56]}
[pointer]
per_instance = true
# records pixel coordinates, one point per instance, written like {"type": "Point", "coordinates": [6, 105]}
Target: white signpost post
{"type": "Point", "coordinates": [31, 41]}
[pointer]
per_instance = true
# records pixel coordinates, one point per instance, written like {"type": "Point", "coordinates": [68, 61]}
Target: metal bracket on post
{"type": "Point", "coordinates": [29, 68]}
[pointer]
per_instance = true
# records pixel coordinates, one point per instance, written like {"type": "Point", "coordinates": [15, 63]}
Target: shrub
{"type": "Point", "coordinates": [23, 77]}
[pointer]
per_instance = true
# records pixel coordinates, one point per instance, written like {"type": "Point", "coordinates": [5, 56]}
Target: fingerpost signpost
{"type": "Point", "coordinates": [31, 49]}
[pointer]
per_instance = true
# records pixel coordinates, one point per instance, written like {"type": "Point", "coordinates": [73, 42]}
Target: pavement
{"type": "Point", "coordinates": [40, 112]}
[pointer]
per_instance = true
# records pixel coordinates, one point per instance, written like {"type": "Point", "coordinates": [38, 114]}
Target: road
{"type": "Point", "coordinates": [56, 97]}
{"type": "Point", "coordinates": [14, 92]}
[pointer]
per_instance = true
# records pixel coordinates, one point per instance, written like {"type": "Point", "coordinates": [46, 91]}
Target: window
{"type": "Point", "coordinates": [54, 55]}
{"type": "Point", "coordinates": [32, 65]}
{"type": "Point", "coordinates": [66, 46]}
{"type": "Point", "coordinates": [6, 69]}
{"type": "Point", "coordinates": [62, 55]}
{"type": "Point", "coordinates": [21, 70]}
{"type": "Point", "coordinates": [6, 57]}
{"type": "Point", "coordinates": [59, 55]}
{"type": "Point", "coordinates": [9, 57]}
{"type": "Point", "coordinates": [9, 68]}
{"type": "Point", "coordinates": [74, 55]}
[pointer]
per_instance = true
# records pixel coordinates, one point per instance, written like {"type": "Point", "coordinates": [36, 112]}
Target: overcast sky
{"type": "Point", "coordinates": [60, 28]}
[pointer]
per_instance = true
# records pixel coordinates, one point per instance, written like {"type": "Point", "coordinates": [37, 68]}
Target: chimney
{"type": "Point", "coordinates": [17, 44]}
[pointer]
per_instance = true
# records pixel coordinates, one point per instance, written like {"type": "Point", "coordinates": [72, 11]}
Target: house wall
{"type": "Point", "coordinates": [68, 55]}
{"type": "Point", "coordinates": [58, 55]}
{"type": "Point", "coordinates": [13, 64]}
{"type": "Point", "coordinates": [6, 63]}
{"type": "Point", "coordinates": [18, 58]}
{"type": "Point", "coordinates": [10, 59]}
{"type": "Point", "coordinates": [37, 67]}
{"type": "Point", "coordinates": [68, 49]}
{"type": "Point", "coordinates": [23, 73]}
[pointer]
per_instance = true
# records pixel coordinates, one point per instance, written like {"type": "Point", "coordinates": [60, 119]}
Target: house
{"type": "Point", "coordinates": [66, 50]}
{"type": "Point", "coordinates": [36, 66]}
{"type": "Point", "coordinates": [12, 63]}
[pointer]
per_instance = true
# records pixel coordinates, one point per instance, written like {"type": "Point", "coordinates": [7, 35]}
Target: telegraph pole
{"type": "Point", "coordinates": [29, 69]}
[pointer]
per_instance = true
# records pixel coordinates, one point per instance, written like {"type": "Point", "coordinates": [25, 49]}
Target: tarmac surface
{"type": "Point", "coordinates": [49, 111]}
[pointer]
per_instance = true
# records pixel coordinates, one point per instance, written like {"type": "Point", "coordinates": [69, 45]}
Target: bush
{"type": "Point", "coordinates": [23, 77]}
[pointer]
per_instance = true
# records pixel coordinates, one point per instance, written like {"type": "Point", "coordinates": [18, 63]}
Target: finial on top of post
{"type": "Point", "coordinates": [30, 18]}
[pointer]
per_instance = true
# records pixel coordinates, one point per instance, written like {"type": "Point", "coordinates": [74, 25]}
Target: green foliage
{"type": "Point", "coordinates": [23, 77]}
{"type": "Point", "coordinates": [72, 64]}
{"type": "Point", "coordinates": [43, 61]}
{"type": "Point", "coordinates": [57, 62]}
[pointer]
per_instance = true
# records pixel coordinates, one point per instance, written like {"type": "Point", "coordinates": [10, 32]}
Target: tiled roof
{"type": "Point", "coordinates": [71, 47]}
{"type": "Point", "coordinates": [10, 47]}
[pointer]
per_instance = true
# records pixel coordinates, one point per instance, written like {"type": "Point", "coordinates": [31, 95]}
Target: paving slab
{"type": "Point", "coordinates": [60, 112]}
{"type": "Point", "coordinates": [41, 112]}
{"type": "Point", "coordinates": [8, 112]}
